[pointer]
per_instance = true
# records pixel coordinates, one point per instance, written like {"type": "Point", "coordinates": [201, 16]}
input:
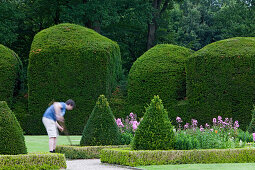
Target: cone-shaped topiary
{"type": "Point", "coordinates": [101, 128]}
{"type": "Point", "coordinates": [155, 131]}
{"type": "Point", "coordinates": [12, 140]}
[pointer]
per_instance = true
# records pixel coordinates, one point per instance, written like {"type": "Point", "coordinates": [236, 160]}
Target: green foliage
{"type": "Point", "coordinates": [251, 127]}
{"type": "Point", "coordinates": [12, 141]}
{"type": "Point", "coordinates": [126, 138]}
{"type": "Point", "coordinates": [138, 158]}
{"type": "Point", "coordinates": [101, 128]}
{"type": "Point", "coordinates": [244, 136]}
{"type": "Point", "coordinates": [84, 152]}
{"type": "Point", "coordinates": [10, 70]}
{"type": "Point", "coordinates": [159, 71]}
{"type": "Point", "coordinates": [220, 80]}
{"type": "Point", "coordinates": [155, 131]}
{"type": "Point", "coordinates": [70, 61]}
{"type": "Point", "coordinates": [32, 161]}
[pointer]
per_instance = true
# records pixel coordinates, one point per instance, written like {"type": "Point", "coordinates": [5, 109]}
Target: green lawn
{"type": "Point", "coordinates": [226, 166]}
{"type": "Point", "coordinates": [41, 143]}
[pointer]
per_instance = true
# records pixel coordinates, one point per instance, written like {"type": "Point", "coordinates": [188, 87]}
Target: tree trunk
{"type": "Point", "coordinates": [151, 34]}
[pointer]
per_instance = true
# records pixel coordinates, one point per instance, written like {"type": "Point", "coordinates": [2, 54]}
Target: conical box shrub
{"type": "Point", "coordinates": [155, 131]}
{"type": "Point", "coordinates": [12, 141]}
{"type": "Point", "coordinates": [101, 128]}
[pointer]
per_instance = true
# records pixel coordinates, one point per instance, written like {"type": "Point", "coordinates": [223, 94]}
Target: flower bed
{"type": "Point", "coordinates": [160, 157]}
{"type": "Point", "coordinates": [32, 161]}
{"type": "Point", "coordinates": [83, 152]}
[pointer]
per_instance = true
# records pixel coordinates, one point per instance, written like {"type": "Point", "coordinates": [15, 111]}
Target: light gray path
{"type": "Point", "coordinates": [93, 164]}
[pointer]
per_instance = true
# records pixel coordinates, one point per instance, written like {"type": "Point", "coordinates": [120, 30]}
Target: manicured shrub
{"type": "Point", "coordinates": [70, 61]}
{"type": "Point", "coordinates": [155, 131]}
{"type": "Point", "coordinates": [159, 71]}
{"type": "Point", "coordinates": [10, 72]}
{"type": "Point", "coordinates": [12, 140]}
{"type": "Point", "coordinates": [101, 128]}
{"type": "Point", "coordinates": [206, 156]}
{"type": "Point", "coordinates": [83, 152]}
{"type": "Point", "coordinates": [221, 80]}
{"type": "Point", "coordinates": [32, 161]}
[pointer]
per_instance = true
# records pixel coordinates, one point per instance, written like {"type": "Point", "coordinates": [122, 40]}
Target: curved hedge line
{"type": "Point", "coordinates": [12, 141]}
{"type": "Point", "coordinates": [83, 152]}
{"type": "Point", "coordinates": [70, 61]}
{"type": "Point", "coordinates": [221, 80]}
{"type": "Point", "coordinates": [159, 71]}
{"type": "Point", "coordinates": [163, 157]}
{"type": "Point", "coordinates": [32, 161]}
{"type": "Point", "coordinates": [10, 69]}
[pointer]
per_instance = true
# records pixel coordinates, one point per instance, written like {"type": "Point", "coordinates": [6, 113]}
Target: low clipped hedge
{"type": "Point", "coordinates": [83, 152]}
{"type": "Point", "coordinates": [162, 157]}
{"type": "Point", "coordinates": [10, 72]}
{"type": "Point", "coordinates": [221, 80]}
{"type": "Point", "coordinates": [159, 71]}
{"type": "Point", "coordinates": [32, 161]}
{"type": "Point", "coordinates": [70, 61]}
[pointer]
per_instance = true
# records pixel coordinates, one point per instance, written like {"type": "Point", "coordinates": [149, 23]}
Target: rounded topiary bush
{"type": "Point", "coordinates": [155, 131]}
{"type": "Point", "coordinates": [10, 69]}
{"type": "Point", "coordinates": [101, 128]}
{"type": "Point", "coordinates": [159, 71]}
{"type": "Point", "coordinates": [12, 141]}
{"type": "Point", "coordinates": [70, 61]}
{"type": "Point", "coordinates": [221, 80]}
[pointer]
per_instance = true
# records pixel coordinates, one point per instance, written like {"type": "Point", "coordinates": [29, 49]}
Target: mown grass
{"type": "Point", "coordinates": [41, 143]}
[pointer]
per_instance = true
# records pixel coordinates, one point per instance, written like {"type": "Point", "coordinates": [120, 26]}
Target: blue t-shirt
{"type": "Point", "coordinates": [50, 112]}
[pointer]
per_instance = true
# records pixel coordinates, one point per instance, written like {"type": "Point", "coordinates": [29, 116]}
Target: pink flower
{"type": "Point", "coordinates": [178, 119]}
{"type": "Point", "coordinates": [119, 122]}
{"type": "Point", "coordinates": [253, 134]}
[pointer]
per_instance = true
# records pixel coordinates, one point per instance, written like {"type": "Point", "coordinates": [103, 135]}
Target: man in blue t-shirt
{"type": "Point", "coordinates": [53, 114]}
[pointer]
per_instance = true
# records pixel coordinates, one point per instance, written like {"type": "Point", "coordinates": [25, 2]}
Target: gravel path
{"type": "Point", "coordinates": [93, 164]}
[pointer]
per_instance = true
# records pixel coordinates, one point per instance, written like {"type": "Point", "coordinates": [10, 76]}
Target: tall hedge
{"type": "Point", "coordinates": [155, 131]}
{"type": "Point", "coordinates": [221, 80]}
{"type": "Point", "coordinates": [159, 71]}
{"type": "Point", "coordinates": [12, 141]}
{"type": "Point", "coordinates": [10, 69]}
{"type": "Point", "coordinates": [101, 128]}
{"type": "Point", "coordinates": [70, 61]}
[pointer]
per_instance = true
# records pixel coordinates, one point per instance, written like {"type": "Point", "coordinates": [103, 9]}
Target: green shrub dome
{"type": "Point", "coordinates": [221, 80]}
{"type": "Point", "coordinates": [70, 61]}
{"type": "Point", "coordinates": [10, 67]}
{"type": "Point", "coordinates": [101, 128]}
{"type": "Point", "coordinates": [155, 131]}
{"type": "Point", "coordinates": [12, 141]}
{"type": "Point", "coordinates": [159, 71]}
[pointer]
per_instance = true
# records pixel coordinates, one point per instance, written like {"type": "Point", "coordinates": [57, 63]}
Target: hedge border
{"type": "Point", "coordinates": [83, 152]}
{"type": "Point", "coordinates": [33, 161]}
{"type": "Point", "coordinates": [162, 157]}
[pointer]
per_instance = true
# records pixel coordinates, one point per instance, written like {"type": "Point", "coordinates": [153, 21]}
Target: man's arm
{"type": "Point", "coordinates": [57, 107]}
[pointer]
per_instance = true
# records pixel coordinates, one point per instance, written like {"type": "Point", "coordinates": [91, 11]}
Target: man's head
{"type": "Point", "coordinates": [70, 104]}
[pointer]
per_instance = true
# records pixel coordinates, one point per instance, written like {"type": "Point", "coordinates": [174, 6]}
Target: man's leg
{"type": "Point", "coordinates": [54, 144]}
{"type": "Point", "coordinates": [51, 143]}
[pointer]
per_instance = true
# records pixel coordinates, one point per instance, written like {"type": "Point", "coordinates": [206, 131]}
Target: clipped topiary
{"type": "Point", "coordinates": [12, 140]}
{"type": "Point", "coordinates": [10, 69]}
{"type": "Point", "coordinates": [101, 128]}
{"type": "Point", "coordinates": [70, 61]}
{"type": "Point", "coordinates": [159, 71]}
{"type": "Point", "coordinates": [221, 81]}
{"type": "Point", "coordinates": [155, 131]}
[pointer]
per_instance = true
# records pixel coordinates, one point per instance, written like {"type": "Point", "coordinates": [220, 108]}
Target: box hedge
{"type": "Point", "coordinates": [161, 157]}
{"type": "Point", "coordinates": [70, 61]}
{"type": "Point", "coordinates": [155, 131]}
{"type": "Point", "coordinates": [101, 128]}
{"type": "Point", "coordinates": [221, 81]}
{"type": "Point", "coordinates": [12, 141]}
{"type": "Point", "coordinates": [159, 71]}
{"type": "Point", "coordinates": [32, 161]}
{"type": "Point", "coordinates": [83, 152]}
{"type": "Point", "coordinates": [10, 73]}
